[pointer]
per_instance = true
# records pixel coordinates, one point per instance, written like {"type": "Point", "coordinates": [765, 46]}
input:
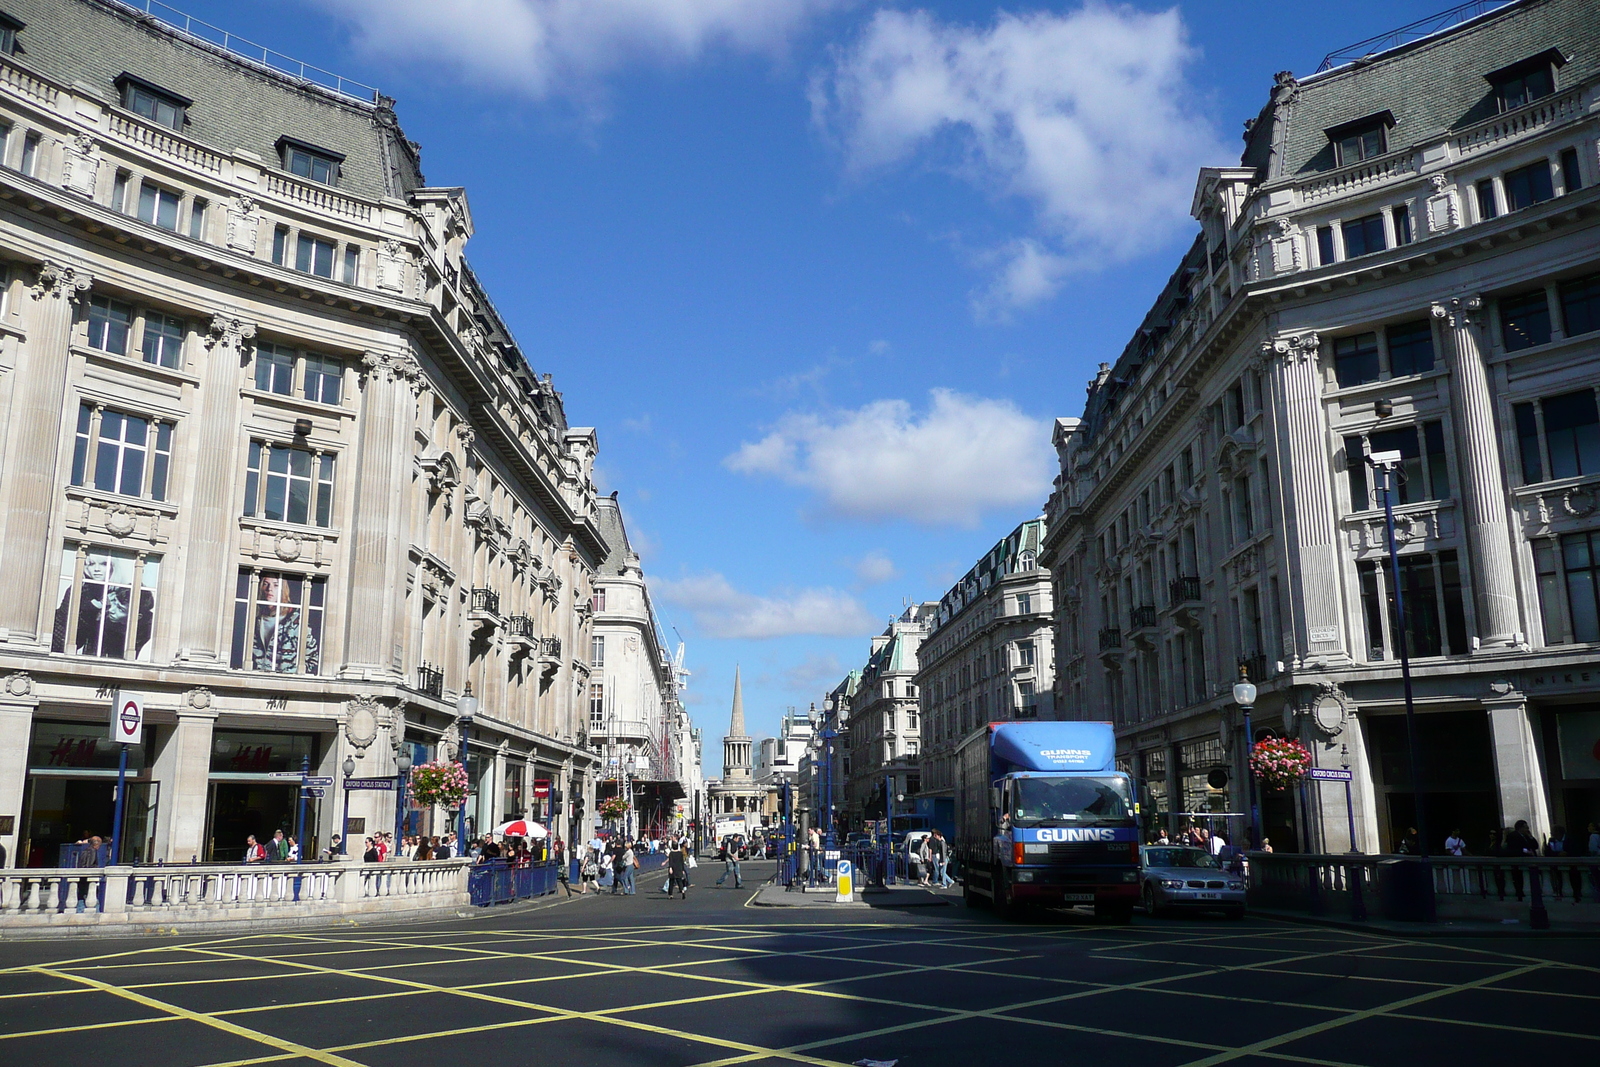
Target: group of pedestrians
{"type": "Point", "coordinates": [609, 864]}
{"type": "Point", "coordinates": [928, 862]}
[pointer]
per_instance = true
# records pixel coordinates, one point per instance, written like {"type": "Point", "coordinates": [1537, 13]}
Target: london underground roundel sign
{"type": "Point", "coordinates": [127, 720]}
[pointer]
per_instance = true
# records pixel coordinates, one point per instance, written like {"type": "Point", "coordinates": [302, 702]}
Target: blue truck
{"type": "Point", "coordinates": [1044, 818]}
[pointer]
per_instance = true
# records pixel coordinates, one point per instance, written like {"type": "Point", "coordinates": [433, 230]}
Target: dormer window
{"type": "Point", "coordinates": [9, 28]}
{"type": "Point", "coordinates": [1362, 139]}
{"type": "Point", "coordinates": [153, 102]}
{"type": "Point", "coordinates": [1524, 82]}
{"type": "Point", "coordinates": [310, 162]}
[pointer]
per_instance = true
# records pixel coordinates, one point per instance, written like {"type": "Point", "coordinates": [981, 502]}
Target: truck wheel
{"type": "Point", "coordinates": [1005, 906]}
{"type": "Point", "coordinates": [1151, 908]}
{"type": "Point", "coordinates": [968, 897]}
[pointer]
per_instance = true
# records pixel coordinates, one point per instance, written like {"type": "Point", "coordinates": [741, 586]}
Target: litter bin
{"type": "Point", "coordinates": [1405, 886]}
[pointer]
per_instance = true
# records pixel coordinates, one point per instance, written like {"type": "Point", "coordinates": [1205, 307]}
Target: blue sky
{"type": "Point", "coordinates": [821, 272]}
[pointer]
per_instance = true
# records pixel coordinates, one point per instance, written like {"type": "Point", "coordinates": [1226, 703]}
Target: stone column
{"type": "Point", "coordinates": [17, 701]}
{"type": "Point", "coordinates": [212, 522]}
{"type": "Point", "coordinates": [30, 487]}
{"type": "Point", "coordinates": [185, 777]}
{"type": "Point", "coordinates": [1518, 777]}
{"type": "Point", "coordinates": [379, 528]}
{"type": "Point", "coordinates": [1483, 489]}
{"type": "Point", "coordinates": [1311, 551]}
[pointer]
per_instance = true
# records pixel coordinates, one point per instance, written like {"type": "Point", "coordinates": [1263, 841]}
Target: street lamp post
{"type": "Point", "coordinates": [466, 709]}
{"type": "Point", "coordinates": [300, 818]}
{"type": "Point", "coordinates": [1386, 462]}
{"type": "Point", "coordinates": [402, 767]}
{"type": "Point", "coordinates": [1244, 694]}
{"type": "Point", "coordinates": [1349, 802]}
{"type": "Point", "coordinates": [344, 827]}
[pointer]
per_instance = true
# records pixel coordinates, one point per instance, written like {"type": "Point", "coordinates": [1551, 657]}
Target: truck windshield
{"type": "Point", "coordinates": [1071, 802]}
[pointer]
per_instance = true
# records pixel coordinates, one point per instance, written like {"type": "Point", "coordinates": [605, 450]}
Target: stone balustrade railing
{"type": "Point", "coordinates": [221, 893]}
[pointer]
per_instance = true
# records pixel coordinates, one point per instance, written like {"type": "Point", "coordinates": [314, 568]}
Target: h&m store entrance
{"type": "Point", "coordinates": [246, 800]}
{"type": "Point", "coordinates": [71, 793]}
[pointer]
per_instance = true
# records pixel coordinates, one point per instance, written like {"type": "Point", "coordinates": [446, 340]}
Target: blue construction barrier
{"type": "Point", "coordinates": [501, 882]}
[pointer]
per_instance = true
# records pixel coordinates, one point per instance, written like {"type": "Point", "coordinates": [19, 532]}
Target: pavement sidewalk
{"type": "Point", "coordinates": [773, 895]}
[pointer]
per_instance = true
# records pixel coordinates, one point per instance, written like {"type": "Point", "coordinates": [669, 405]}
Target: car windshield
{"type": "Point", "coordinates": [1071, 802]}
{"type": "Point", "coordinates": [1179, 857]}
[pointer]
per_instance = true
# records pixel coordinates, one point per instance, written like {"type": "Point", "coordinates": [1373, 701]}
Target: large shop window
{"type": "Point", "coordinates": [277, 622]}
{"type": "Point", "coordinates": [95, 608]}
{"type": "Point", "coordinates": [1524, 320]}
{"type": "Point", "coordinates": [1436, 623]}
{"type": "Point", "coordinates": [1566, 428]}
{"type": "Point", "coordinates": [1424, 472]}
{"type": "Point", "coordinates": [286, 484]}
{"type": "Point", "coordinates": [321, 377]}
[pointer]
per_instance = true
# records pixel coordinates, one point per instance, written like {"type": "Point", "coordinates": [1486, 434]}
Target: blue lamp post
{"type": "Point", "coordinates": [466, 709]}
{"type": "Point", "coordinates": [1244, 694]}
{"type": "Point", "coordinates": [1385, 463]}
{"type": "Point", "coordinates": [402, 767]}
{"type": "Point", "coordinates": [344, 827]}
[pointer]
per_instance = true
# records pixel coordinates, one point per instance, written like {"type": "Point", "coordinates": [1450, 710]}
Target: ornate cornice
{"type": "Point", "coordinates": [392, 367]}
{"type": "Point", "coordinates": [1297, 348]}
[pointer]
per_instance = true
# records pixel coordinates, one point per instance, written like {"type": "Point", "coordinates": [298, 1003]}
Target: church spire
{"type": "Point", "coordinates": [736, 726]}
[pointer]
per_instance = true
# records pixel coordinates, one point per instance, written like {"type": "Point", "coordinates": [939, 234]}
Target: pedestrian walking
{"type": "Point", "coordinates": [678, 869]}
{"type": "Point", "coordinates": [1455, 844]}
{"type": "Point", "coordinates": [630, 864]}
{"type": "Point", "coordinates": [253, 852]}
{"type": "Point", "coordinates": [371, 854]}
{"type": "Point", "coordinates": [732, 853]}
{"type": "Point", "coordinates": [939, 856]}
{"type": "Point", "coordinates": [88, 856]}
{"type": "Point", "coordinates": [589, 872]}
{"type": "Point", "coordinates": [278, 850]}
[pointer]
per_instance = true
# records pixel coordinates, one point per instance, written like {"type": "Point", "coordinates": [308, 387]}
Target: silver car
{"type": "Point", "coordinates": [1191, 879]}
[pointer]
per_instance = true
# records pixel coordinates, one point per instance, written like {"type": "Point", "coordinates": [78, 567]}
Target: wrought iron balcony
{"type": "Point", "coordinates": [1255, 666]}
{"type": "Point", "coordinates": [1184, 589]}
{"type": "Point", "coordinates": [550, 648]}
{"type": "Point", "coordinates": [1110, 638]}
{"type": "Point", "coordinates": [519, 626]}
{"type": "Point", "coordinates": [430, 680]}
{"type": "Point", "coordinates": [486, 600]}
{"type": "Point", "coordinates": [1142, 617]}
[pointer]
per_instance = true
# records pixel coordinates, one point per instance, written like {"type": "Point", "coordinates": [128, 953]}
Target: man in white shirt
{"type": "Point", "coordinates": [1454, 844]}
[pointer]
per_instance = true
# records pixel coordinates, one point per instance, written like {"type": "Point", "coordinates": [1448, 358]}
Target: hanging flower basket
{"type": "Point", "coordinates": [613, 807]}
{"type": "Point", "coordinates": [441, 783]}
{"type": "Point", "coordinates": [1279, 762]}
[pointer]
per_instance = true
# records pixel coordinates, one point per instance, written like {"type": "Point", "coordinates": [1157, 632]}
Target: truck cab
{"type": "Point", "coordinates": [1048, 820]}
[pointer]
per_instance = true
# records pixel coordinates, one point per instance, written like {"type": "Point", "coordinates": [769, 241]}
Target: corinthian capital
{"type": "Point", "coordinates": [1460, 310]}
{"type": "Point", "coordinates": [229, 330]}
{"type": "Point", "coordinates": [58, 280]}
{"type": "Point", "coordinates": [1296, 348]}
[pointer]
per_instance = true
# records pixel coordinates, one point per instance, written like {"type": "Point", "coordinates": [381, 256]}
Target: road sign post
{"type": "Point", "coordinates": [127, 727]}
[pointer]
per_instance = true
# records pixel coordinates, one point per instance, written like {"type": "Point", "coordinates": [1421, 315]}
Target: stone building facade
{"type": "Point", "coordinates": [990, 653]}
{"type": "Point", "coordinates": [884, 732]}
{"type": "Point", "coordinates": [735, 797]}
{"type": "Point", "coordinates": [633, 698]}
{"type": "Point", "coordinates": [1406, 259]}
{"type": "Point", "coordinates": [271, 459]}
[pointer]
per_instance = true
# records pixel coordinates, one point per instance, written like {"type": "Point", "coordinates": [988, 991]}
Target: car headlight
{"type": "Point", "coordinates": [1171, 883]}
{"type": "Point", "coordinates": [1036, 849]}
{"type": "Point", "coordinates": [1235, 885]}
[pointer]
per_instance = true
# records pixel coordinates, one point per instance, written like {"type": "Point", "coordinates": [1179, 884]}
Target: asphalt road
{"type": "Point", "coordinates": [624, 981]}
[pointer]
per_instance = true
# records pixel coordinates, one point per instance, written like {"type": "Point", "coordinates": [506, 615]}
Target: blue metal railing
{"type": "Point", "coordinates": [501, 882]}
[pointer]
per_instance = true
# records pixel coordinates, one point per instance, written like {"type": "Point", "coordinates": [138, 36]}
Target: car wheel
{"type": "Point", "coordinates": [1151, 908]}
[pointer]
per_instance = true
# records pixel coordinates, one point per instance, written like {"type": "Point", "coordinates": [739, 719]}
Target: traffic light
{"type": "Point", "coordinates": [555, 801]}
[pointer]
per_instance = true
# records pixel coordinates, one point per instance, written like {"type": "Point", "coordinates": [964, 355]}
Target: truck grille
{"type": "Point", "coordinates": [1092, 851]}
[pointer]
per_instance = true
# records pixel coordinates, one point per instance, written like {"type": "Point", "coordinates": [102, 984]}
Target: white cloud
{"type": "Point", "coordinates": [964, 456]}
{"type": "Point", "coordinates": [875, 568]}
{"type": "Point", "coordinates": [814, 673]}
{"type": "Point", "coordinates": [563, 47]}
{"type": "Point", "coordinates": [720, 610]}
{"type": "Point", "coordinates": [1086, 115]}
